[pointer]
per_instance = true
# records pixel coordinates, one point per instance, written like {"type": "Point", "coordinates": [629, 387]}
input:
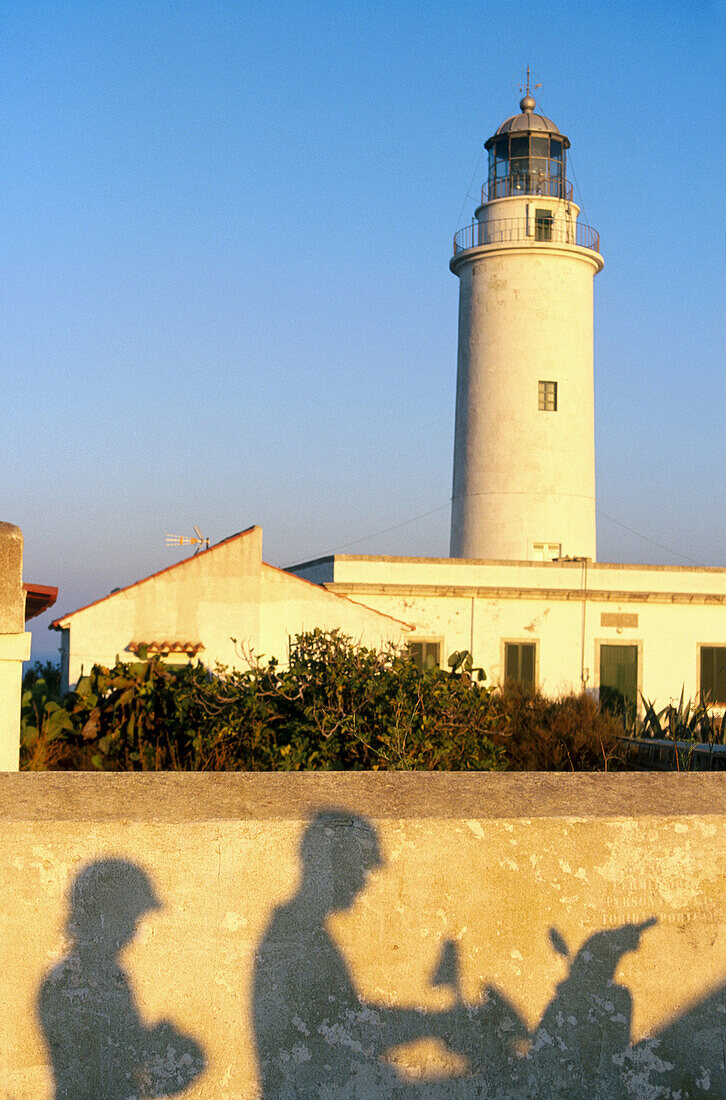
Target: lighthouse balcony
{"type": "Point", "coordinates": [527, 231]}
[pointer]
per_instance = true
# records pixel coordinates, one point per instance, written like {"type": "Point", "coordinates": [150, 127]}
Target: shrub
{"type": "Point", "coordinates": [43, 718]}
{"type": "Point", "coordinates": [566, 734]}
{"type": "Point", "coordinates": [337, 706]}
{"type": "Point", "coordinates": [687, 722]}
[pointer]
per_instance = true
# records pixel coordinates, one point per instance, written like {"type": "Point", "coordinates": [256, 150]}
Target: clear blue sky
{"type": "Point", "coordinates": [224, 240]}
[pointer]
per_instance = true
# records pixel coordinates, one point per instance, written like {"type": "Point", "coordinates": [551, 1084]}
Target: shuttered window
{"type": "Point", "coordinates": [519, 661]}
{"type": "Point", "coordinates": [713, 673]}
{"type": "Point", "coordinates": [543, 222]}
{"type": "Point", "coordinates": [619, 679]}
{"type": "Point", "coordinates": [425, 654]}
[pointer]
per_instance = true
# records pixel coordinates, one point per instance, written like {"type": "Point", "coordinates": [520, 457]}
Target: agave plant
{"type": "Point", "coordinates": [688, 721]}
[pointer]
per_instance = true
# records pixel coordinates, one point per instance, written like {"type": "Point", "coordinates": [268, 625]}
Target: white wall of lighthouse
{"type": "Point", "coordinates": [524, 474]}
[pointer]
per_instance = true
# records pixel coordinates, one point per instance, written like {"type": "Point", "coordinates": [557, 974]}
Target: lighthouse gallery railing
{"type": "Point", "coordinates": [526, 231]}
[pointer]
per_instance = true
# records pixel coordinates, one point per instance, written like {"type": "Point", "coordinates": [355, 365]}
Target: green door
{"type": "Point", "coordinates": [619, 679]}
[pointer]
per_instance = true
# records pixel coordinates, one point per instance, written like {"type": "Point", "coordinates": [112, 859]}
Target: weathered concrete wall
{"type": "Point", "coordinates": [362, 935]}
{"type": "Point", "coordinates": [14, 643]}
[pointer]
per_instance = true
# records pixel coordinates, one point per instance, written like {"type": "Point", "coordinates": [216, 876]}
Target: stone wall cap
{"type": "Point", "coordinates": [254, 796]}
{"type": "Point", "coordinates": [12, 596]}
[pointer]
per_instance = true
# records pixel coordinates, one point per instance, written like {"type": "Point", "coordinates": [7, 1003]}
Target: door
{"type": "Point", "coordinates": [619, 680]}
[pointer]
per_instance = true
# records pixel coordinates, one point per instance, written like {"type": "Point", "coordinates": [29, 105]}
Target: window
{"type": "Point", "coordinates": [543, 222]}
{"type": "Point", "coordinates": [713, 673]}
{"type": "Point", "coordinates": [619, 679]}
{"type": "Point", "coordinates": [547, 397]}
{"type": "Point", "coordinates": [519, 662]}
{"type": "Point", "coordinates": [425, 654]}
{"type": "Point", "coordinates": [546, 551]}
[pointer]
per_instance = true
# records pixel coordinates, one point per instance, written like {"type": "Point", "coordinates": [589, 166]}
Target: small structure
{"type": "Point", "coordinates": [14, 639]}
{"type": "Point", "coordinates": [223, 606]}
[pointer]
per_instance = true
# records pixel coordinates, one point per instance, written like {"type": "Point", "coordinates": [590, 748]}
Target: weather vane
{"type": "Point", "coordinates": [527, 88]}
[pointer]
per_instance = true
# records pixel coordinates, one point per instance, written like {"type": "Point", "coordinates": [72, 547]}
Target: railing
{"type": "Point", "coordinates": [536, 230]}
{"type": "Point", "coordinates": [648, 754]}
{"type": "Point", "coordinates": [527, 183]}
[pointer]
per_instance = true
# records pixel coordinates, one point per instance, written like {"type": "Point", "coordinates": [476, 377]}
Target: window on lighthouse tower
{"type": "Point", "coordinates": [543, 223]}
{"type": "Point", "coordinates": [547, 397]}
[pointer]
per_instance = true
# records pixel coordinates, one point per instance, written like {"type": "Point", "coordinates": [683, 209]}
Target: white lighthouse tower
{"type": "Point", "coordinates": [524, 453]}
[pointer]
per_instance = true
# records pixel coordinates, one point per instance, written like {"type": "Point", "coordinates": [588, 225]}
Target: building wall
{"type": "Point", "coordinates": [367, 936]}
{"type": "Point", "coordinates": [211, 598]}
{"type": "Point", "coordinates": [227, 599]}
{"type": "Point", "coordinates": [668, 612]}
{"type": "Point", "coordinates": [14, 643]}
{"type": "Point", "coordinates": [291, 606]}
{"type": "Point", "coordinates": [669, 637]}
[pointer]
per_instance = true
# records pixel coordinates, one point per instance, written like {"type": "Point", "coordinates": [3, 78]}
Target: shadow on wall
{"type": "Point", "coordinates": [100, 1048]}
{"type": "Point", "coordinates": [316, 1037]}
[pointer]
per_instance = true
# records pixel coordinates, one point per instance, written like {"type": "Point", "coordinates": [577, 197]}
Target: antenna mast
{"type": "Point", "coordinates": [197, 539]}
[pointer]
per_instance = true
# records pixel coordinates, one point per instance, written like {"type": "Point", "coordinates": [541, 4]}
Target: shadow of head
{"type": "Point", "coordinates": [338, 852]}
{"type": "Point", "coordinates": [106, 902]}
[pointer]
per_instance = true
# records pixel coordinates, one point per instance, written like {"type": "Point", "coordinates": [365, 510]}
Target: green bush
{"type": "Point", "coordinates": [338, 706]}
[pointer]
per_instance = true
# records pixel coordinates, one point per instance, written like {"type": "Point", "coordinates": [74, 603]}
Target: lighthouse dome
{"type": "Point", "coordinates": [527, 122]}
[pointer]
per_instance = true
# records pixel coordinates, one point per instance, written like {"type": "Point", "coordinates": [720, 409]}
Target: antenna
{"type": "Point", "coordinates": [198, 539]}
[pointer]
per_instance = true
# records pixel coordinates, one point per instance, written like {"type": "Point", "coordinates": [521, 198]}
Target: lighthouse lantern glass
{"type": "Point", "coordinates": [530, 163]}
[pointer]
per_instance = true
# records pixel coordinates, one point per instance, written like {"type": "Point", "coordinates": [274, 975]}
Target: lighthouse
{"type": "Point", "coordinates": [524, 450]}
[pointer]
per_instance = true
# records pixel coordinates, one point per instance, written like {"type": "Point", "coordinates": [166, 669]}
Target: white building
{"type": "Point", "coordinates": [559, 625]}
{"type": "Point", "coordinates": [222, 606]}
{"type": "Point", "coordinates": [524, 452]}
{"type": "Point", "coordinates": [521, 590]}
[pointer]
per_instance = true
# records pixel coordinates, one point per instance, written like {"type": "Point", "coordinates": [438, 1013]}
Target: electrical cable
{"type": "Point", "coordinates": [467, 195]}
{"type": "Point", "coordinates": [395, 527]}
{"type": "Point", "coordinates": [577, 186]}
{"type": "Point", "coordinates": [640, 535]}
{"type": "Point", "coordinates": [570, 167]}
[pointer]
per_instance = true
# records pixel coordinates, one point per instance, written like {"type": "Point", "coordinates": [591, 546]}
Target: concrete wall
{"type": "Point", "coordinates": [373, 935]}
{"type": "Point", "coordinates": [14, 643]}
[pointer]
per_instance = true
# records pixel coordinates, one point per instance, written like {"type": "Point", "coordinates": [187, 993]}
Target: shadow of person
{"type": "Point", "coordinates": [586, 1029]}
{"type": "Point", "coordinates": [315, 1036]}
{"type": "Point", "coordinates": [100, 1049]}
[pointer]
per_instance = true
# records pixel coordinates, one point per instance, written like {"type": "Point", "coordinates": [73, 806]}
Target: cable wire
{"type": "Point", "coordinates": [395, 527]}
{"type": "Point", "coordinates": [640, 535]}
{"type": "Point", "coordinates": [570, 166]}
{"type": "Point", "coordinates": [467, 195]}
